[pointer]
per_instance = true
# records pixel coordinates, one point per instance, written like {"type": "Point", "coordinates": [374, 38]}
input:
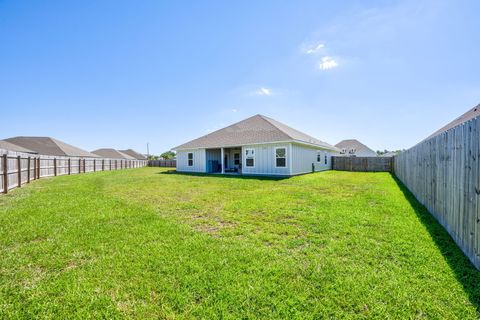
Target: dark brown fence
{"type": "Point", "coordinates": [364, 164]}
{"type": "Point", "coordinates": [162, 163]}
{"type": "Point", "coordinates": [18, 168]}
{"type": "Point", "coordinates": [444, 175]}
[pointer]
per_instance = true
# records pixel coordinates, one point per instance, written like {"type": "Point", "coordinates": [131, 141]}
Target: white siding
{"type": "Point", "coordinates": [265, 160]}
{"type": "Point", "coordinates": [199, 164]}
{"type": "Point", "coordinates": [303, 157]}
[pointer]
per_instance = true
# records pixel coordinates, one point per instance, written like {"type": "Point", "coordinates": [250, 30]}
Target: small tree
{"type": "Point", "coordinates": [168, 155]}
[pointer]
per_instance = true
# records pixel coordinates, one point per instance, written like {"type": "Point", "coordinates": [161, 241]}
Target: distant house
{"type": "Point", "coordinates": [354, 148]}
{"type": "Point", "coordinates": [255, 146]}
{"type": "Point", "coordinates": [133, 153]}
{"type": "Point", "coordinates": [49, 146]}
{"type": "Point", "coordinates": [112, 153]}
{"type": "Point", "coordinates": [13, 147]}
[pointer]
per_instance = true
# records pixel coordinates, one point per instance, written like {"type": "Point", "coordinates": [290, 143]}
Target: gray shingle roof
{"type": "Point", "coordinates": [134, 154]}
{"type": "Point", "coordinates": [49, 146]}
{"type": "Point", "coordinates": [253, 130]}
{"type": "Point", "coordinates": [350, 144]}
{"type": "Point", "coordinates": [112, 153]}
{"type": "Point", "coordinates": [470, 114]}
{"type": "Point", "coordinates": [13, 147]}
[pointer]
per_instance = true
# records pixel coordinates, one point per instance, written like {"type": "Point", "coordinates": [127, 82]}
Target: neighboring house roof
{"type": "Point", "coordinates": [49, 146]}
{"type": "Point", "coordinates": [112, 153]}
{"type": "Point", "coordinates": [470, 114]}
{"type": "Point", "coordinates": [253, 130]}
{"type": "Point", "coordinates": [133, 153]}
{"type": "Point", "coordinates": [13, 147]}
{"type": "Point", "coordinates": [353, 144]}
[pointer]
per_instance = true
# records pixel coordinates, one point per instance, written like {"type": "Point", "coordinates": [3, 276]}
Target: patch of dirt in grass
{"type": "Point", "coordinates": [36, 275]}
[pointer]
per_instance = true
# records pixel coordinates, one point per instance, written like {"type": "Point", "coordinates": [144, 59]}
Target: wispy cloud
{"type": "Point", "coordinates": [234, 110]}
{"type": "Point", "coordinates": [313, 49]}
{"type": "Point", "coordinates": [327, 63]}
{"type": "Point", "coordinates": [264, 92]}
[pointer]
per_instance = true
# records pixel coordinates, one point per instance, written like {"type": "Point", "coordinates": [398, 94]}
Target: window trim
{"type": "Point", "coordinates": [252, 157]}
{"type": "Point", "coordinates": [188, 159]}
{"type": "Point", "coordinates": [285, 157]}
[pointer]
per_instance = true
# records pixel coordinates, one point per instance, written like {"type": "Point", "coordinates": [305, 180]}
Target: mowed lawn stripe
{"type": "Point", "coordinates": [147, 243]}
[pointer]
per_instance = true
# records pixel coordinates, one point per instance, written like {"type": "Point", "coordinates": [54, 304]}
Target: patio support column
{"type": "Point", "coordinates": [222, 157]}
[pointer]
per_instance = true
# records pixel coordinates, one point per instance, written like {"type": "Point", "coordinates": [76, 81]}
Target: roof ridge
{"type": "Point", "coordinates": [268, 120]}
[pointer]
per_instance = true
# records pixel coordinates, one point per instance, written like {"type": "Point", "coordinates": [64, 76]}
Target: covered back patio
{"type": "Point", "coordinates": [224, 160]}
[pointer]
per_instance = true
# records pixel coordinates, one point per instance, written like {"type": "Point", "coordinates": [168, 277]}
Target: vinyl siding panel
{"type": "Point", "coordinates": [199, 164]}
{"type": "Point", "coordinates": [265, 160]}
{"type": "Point", "coordinates": [304, 156]}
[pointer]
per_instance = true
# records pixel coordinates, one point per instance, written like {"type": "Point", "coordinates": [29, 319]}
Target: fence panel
{"type": "Point", "coordinates": [162, 163]}
{"type": "Point", "coordinates": [444, 175]}
{"type": "Point", "coordinates": [364, 164]}
{"type": "Point", "coordinates": [18, 168]}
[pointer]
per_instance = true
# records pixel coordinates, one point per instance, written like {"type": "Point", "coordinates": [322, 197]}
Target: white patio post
{"type": "Point", "coordinates": [222, 159]}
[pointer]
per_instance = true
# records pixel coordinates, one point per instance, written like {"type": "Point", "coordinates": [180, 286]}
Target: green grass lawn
{"type": "Point", "coordinates": [145, 243]}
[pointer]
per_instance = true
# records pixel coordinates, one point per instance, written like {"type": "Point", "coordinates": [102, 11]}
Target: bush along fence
{"type": "Point", "coordinates": [367, 164]}
{"type": "Point", "coordinates": [162, 163]}
{"type": "Point", "coordinates": [444, 175]}
{"type": "Point", "coordinates": [18, 168]}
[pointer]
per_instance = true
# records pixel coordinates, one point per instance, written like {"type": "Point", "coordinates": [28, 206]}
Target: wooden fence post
{"type": "Point", "coordinates": [55, 166]}
{"type": "Point", "coordinates": [19, 171]}
{"type": "Point", "coordinates": [28, 170]}
{"type": "Point", "coordinates": [103, 164]}
{"type": "Point", "coordinates": [38, 168]}
{"type": "Point", "coordinates": [84, 166]}
{"type": "Point", "coordinates": [94, 165]}
{"type": "Point", "coordinates": [116, 164]}
{"type": "Point", "coordinates": [69, 166]}
{"type": "Point", "coordinates": [5, 173]}
{"type": "Point", "coordinates": [34, 168]}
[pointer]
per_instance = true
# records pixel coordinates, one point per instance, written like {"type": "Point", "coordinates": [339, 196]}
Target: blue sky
{"type": "Point", "coordinates": [123, 73]}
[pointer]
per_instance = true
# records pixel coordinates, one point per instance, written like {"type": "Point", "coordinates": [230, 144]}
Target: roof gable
{"type": "Point", "coordinates": [253, 130]}
{"type": "Point", "coordinates": [353, 144]}
{"type": "Point", "coordinates": [13, 147]}
{"type": "Point", "coordinates": [49, 146]}
{"type": "Point", "coordinates": [112, 153]}
{"type": "Point", "coordinates": [134, 154]}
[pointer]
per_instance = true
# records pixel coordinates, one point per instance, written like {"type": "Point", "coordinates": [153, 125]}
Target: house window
{"type": "Point", "coordinates": [326, 160]}
{"type": "Point", "coordinates": [319, 156]}
{"type": "Point", "coordinates": [250, 157]}
{"type": "Point", "coordinates": [236, 159]}
{"type": "Point", "coordinates": [280, 157]}
{"type": "Point", "coordinates": [190, 159]}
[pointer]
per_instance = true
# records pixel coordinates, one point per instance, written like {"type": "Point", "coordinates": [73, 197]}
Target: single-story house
{"type": "Point", "coordinates": [112, 154]}
{"type": "Point", "coordinates": [133, 153]}
{"type": "Point", "coordinates": [255, 146]}
{"type": "Point", "coordinates": [354, 148]}
{"type": "Point", "coordinates": [50, 147]}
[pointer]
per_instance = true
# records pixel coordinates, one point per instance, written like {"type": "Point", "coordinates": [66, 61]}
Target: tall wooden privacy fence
{"type": "Point", "coordinates": [367, 164]}
{"type": "Point", "coordinates": [162, 163]}
{"type": "Point", "coordinates": [444, 175]}
{"type": "Point", "coordinates": [18, 168]}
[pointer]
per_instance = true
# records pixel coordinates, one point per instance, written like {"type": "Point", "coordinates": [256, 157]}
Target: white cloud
{"type": "Point", "coordinates": [314, 49]}
{"type": "Point", "coordinates": [234, 110]}
{"type": "Point", "coordinates": [264, 92]}
{"type": "Point", "coordinates": [327, 63]}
